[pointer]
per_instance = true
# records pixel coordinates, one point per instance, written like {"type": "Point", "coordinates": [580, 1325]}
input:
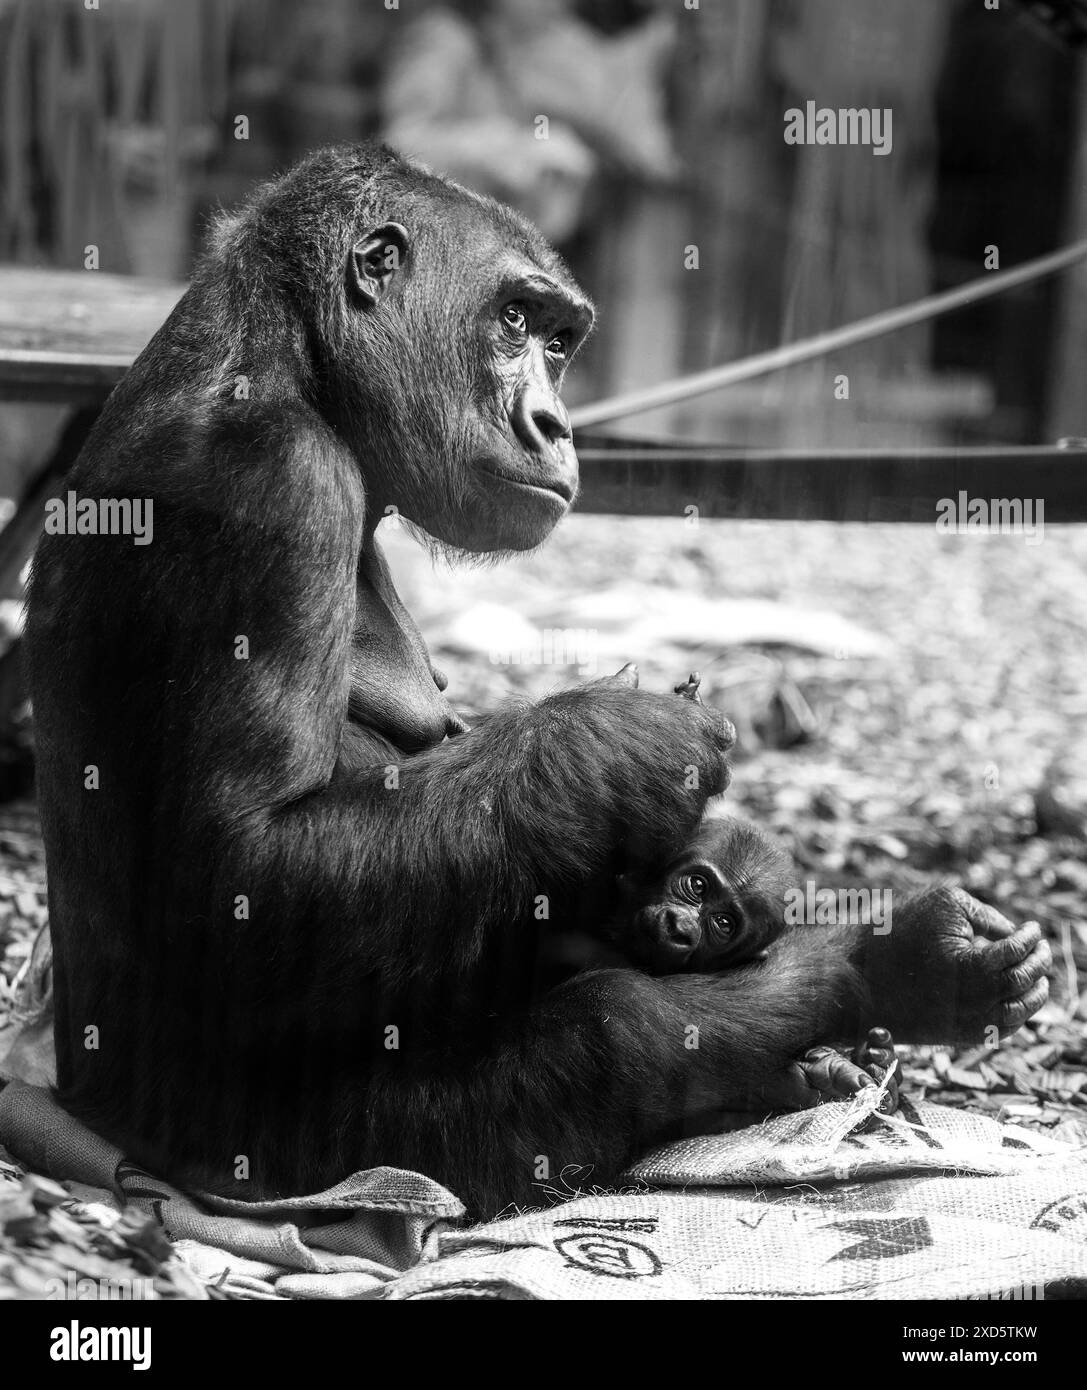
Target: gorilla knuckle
{"type": "Point", "coordinates": [1027, 936]}
{"type": "Point", "coordinates": [1019, 977]}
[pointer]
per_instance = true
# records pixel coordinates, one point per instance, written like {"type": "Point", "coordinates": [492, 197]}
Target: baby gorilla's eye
{"type": "Point", "coordinates": [556, 348]}
{"type": "Point", "coordinates": [513, 316]}
{"type": "Point", "coordinates": [695, 885]}
{"type": "Point", "coordinates": [722, 924]}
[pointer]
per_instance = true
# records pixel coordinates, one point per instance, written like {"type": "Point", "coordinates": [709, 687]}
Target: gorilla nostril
{"type": "Point", "coordinates": [676, 930]}
{"type": "Point", "coordinates": [552, 425]}
{"type": "Point", "coordinates": [539, 419]}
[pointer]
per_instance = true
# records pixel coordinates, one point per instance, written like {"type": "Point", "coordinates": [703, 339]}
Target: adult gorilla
{"type": "Point", "coordinates": [295, 918]}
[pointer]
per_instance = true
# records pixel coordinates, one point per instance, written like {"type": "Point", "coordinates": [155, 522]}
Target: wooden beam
{"type": "Point", "coordinates": [825, 485]}
{"type": "Point", "coordinates": [70, 336]}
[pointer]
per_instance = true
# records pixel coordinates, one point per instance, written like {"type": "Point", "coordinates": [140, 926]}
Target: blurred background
{"type": "Point", "coordinates": [664, 131]}
{"type": "Point", "coordinates": [909, 703]}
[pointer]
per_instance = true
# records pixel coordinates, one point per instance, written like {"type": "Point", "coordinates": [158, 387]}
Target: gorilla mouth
{"type": "Point", "coordinates": [557, 487]}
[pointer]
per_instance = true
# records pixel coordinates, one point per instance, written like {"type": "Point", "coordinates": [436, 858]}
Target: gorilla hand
{"type": "Point", "coordinates": [951, 968]}
{"type": "Point", "coordinates": [647, 763]}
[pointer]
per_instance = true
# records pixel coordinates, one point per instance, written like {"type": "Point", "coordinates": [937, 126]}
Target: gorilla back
{"type": "Point", "coordinates": [293, 901]}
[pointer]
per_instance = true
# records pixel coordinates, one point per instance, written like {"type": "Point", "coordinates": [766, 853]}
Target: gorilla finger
{"type": "Point", "coordinates": [877, 1057]}
{"type": "Point", "coordinates": [1015, 948]}
{"type": "Point", "coordinates": [815, 1066]}
{"type": "Point", "coordinates": [890, 1101]}
{"type": "Point", "coordinates": [878, 1049]}
{"type": "Point", "coordinates": [627, 675]}
{"type": "Point", "coordinates": [722, 729]}
{"type": "Point", "coordinates": [833, 1074]}
{"type": "Point", "coordinates": [712, 723]}
{"type": "Point", "coordinates": [793, 1092]}
{"type": "Point", "coordinates": [1015, 1012]}
{"type": "Point", "coordinates": [984, 920]}
{"type": "Point", "coordinates": [1018, 978]}
{"type": "Point", "coordinates": [890, 1076]}
{"type": "Point", "coordinates": [689, 688]}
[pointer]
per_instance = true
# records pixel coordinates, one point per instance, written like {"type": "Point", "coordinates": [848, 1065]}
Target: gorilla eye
{"type": "Point", "coordinates": [556, 348]}
{"type": "Point", "coordinates": [695, 885]}
{"type": "Point", "coordinates": [513, 316]}
{"type": "Point", "coordinates": [722, 924]}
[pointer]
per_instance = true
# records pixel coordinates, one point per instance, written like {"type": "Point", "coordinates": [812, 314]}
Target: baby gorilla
{"type": "Point", "coordinates": [719, 903]}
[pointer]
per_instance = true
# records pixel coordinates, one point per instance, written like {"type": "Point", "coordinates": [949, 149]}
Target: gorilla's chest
{"type": "Point", "coordinates": [392, 686]}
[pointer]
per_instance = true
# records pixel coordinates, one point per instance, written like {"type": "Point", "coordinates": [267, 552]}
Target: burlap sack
{"type": "Point", "coordinates": [837, 1202]}
{"type": "Point", "coordinates": [951, 1205]}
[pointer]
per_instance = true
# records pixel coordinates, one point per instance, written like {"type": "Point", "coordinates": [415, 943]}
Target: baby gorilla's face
{"type": "Point", "coordinates": [720, 903]}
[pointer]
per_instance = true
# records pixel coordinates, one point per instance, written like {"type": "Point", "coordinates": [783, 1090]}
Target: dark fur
{"type": "Point", "coordinates": [369, 907]}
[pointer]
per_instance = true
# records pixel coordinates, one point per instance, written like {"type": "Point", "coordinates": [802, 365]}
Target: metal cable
{"type": "Point", "coordinates": [806, 349]}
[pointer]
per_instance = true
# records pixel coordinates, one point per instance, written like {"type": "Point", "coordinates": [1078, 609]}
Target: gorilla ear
{"type": "Point", "coordinates": [375, 260]}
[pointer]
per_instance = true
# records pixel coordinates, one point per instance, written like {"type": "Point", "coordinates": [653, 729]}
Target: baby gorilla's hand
{"type": "Point", "coordinates": [827, 1074]}
{"type": "Point", "coordinates": [876, 1055]}
{"type": "Point", "coordinates": [831, 1075]}
{"type": "Point", "coordinates": [824, 1073]}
